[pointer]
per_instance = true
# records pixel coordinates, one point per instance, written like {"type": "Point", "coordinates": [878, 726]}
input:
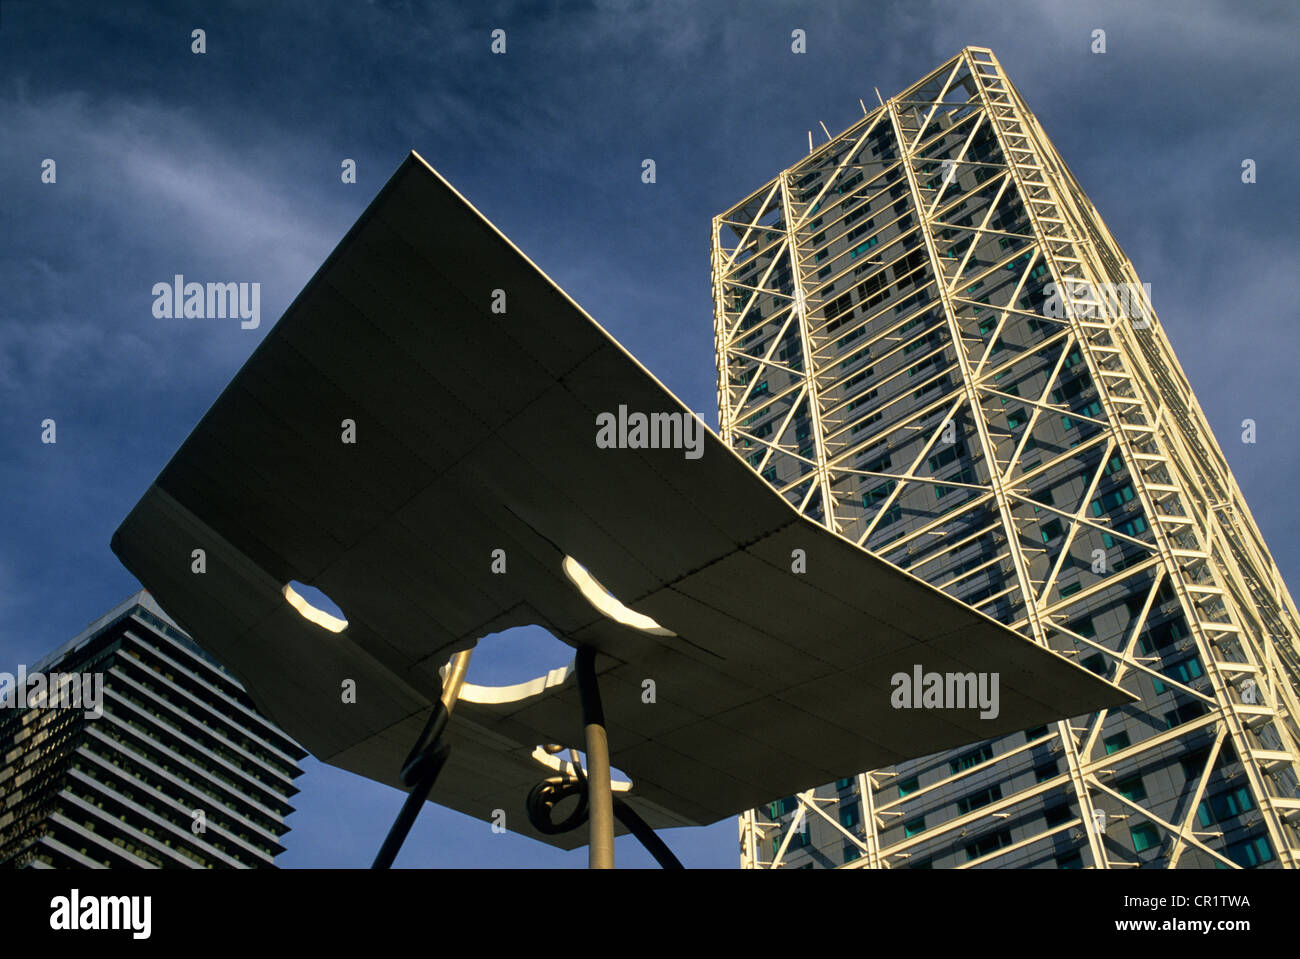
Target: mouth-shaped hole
{"type": "Point", "coordinates": [517, 655]}
{"type": "Point", "coordinates": [562, 763]}
{"type": "Point", "coordinates": [607, 603]}
{"type": "Point", "coordinates": [315, 606]}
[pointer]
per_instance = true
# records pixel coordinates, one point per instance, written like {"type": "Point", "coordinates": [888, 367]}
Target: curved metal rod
{"type": "Point", "coordinates": [425, 761]}
{"type": "Point", "coordinates": [648, 837]}
{"type": "Point", "coordinates": [430, 764]}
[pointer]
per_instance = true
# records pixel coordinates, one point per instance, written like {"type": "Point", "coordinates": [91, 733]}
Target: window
{"type": "Point", "coordinates": [850, 814]}
{"type": "Point", "coordinates": [863, 247]}
{"type": "Point", "coordinates": [1038, 732]}
{"type": "Point", "coordinates": [936, 360]}
{"type": "Point", "coordinates": [890, 516]}
{"type": "Point", "coordinates": [913, 827]}
{"type": "Point", "coordinates": [1083, 626]}
{"type": "Point", "coordinates": [1046, 771]}
{"type": "Point", "coordinates": [877, 465]}
{"type": "Point", "coordinates": [977, 799]}
{"type": "Point", "coordinates": [1115, 743]}
{"type": "Point", "coordinates": [971, 759]}
{"type": "Point", "coordinates": [1069, 861]}
{"type": "Point", "coordinates": [1093, 409]}
{"type": "Point", "coordinates": [1055, 815]}
{"type": "Point", "coordinates": [1225, 805]}
{"type": "Point", "coordinates": [964, 476]}
{"type": "Point", "coordinates": [1112, 500]}
{"type": "Point", "coordinates": [1132, 789]}
{"type": "Point", "coordinates": [1096, 663]}
{"type": "Point", "coordinates": [1250, 852]}
{"type": "Point", "coordinates": [921, 343]}
{"type": "Point", "coordinates": [906, 786]}
{"type": "Point", "coordinates": [844, 783]}
{"type": "Point", "coordinates": [866, 422]}
{"type": "Point", "coordinates": [1017, 418]}
{"type": "Point", "coordinates": [877, 494]}
{"type": "Point", "coordinates": [856, 214]}
{"type": "Point", "coordinates": [1051, 529]}
{"type": "Point", "coordinates": [1184, 714]}
{"type": "Point", "coordinates": [858, 377]}
{"type": "Point", "coordinates": [990, 843]}
{"type": "Point", "coordinates": [1134, 527]}
{"type": "Point", "coordinates": [1183, 672]}
{"type": "Point", "coordinates": [1070, 389]}
{"type": "Point", "coordinates": [1070, 588]}
{"type": "Point", "coordinates": [945, 456]}
{"type": "Point", "coordinates": [1144, 837]}
{"type": "Point", "coordinates": [851, 852]}
{"type": "Point", "coordinates": [1194, 763]}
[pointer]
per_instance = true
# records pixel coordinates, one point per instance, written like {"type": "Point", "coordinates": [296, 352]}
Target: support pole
{"type": "Point", "coordinates": [425, 762]}
{"type": "Point", "coordinates": [455, 678]}
{"type": "Point", "coordinates": [600, 843]}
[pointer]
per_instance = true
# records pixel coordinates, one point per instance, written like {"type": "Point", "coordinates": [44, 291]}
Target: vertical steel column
{"type": "Point", "coordinates": [600, 795]}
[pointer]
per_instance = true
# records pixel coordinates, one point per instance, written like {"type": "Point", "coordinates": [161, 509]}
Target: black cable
{"type": "Point", "coordinates": [647, 836]}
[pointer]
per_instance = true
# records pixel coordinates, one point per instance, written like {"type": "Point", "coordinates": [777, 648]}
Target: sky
{"type": "Point", "coordinates": [225, 165]}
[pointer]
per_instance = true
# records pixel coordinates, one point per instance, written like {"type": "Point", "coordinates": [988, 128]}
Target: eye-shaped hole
{"type": "Point", "coordinates": [607, 603]}
{"type": "Point", "coordinates": [314, 605]}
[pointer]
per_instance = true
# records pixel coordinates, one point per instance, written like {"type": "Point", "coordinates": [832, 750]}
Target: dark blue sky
{"type": "Point", "coordinates": [225, 166]}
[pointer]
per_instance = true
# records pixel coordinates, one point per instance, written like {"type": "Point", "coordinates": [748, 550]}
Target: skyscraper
{"type": "Point", "coordinates": [928, 341]}
{"type": "Point", "coordinates": [158, 760]}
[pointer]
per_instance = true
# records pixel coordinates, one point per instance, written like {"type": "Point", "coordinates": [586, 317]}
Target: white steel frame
{"type": "Point", "coordinates": [1202, 543]}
